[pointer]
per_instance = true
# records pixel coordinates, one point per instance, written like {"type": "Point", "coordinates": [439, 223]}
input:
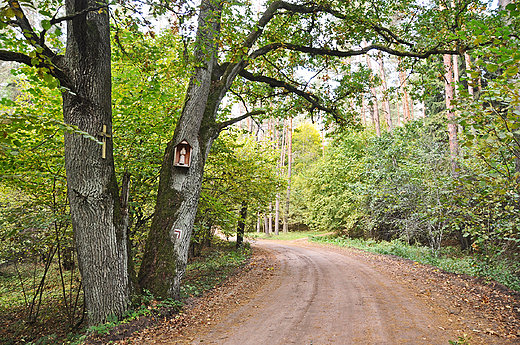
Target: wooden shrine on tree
{"type": "Point", "coordinates": [182, 154]}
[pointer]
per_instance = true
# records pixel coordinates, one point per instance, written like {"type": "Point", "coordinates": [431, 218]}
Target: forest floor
{"type": "Point", "coordinates": [307, 293]}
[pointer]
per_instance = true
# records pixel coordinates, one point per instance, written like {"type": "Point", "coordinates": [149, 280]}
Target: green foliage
{"type": "Point", "coordinates": [448, 258]}
{"type": "Point", "coordinates": [488, 191]}
{"type": "Point", "coordinates": [306, 146]}
{"type": "Point", "coordinates": [394, 186]}
{"type": "Point", "coordinates": [239, 169]}
{"type": "Point", "coordinates": [462, 340]}
{"type": "Point", "coordinates": [148, 83]}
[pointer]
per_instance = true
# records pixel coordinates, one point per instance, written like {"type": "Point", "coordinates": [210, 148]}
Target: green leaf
{"type": "Point", "coordinates": [512, 71]}
{"type": "Point", "coordinates": [491, 67]}
{"type": "Point", "coordinates": [46, 24]}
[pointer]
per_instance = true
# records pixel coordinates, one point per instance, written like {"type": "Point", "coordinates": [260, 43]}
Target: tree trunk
{"type": "Point", "coordinates": [289, 168]}
{"type": "Point", "coordinates": [363, 119]}
{"type": "Point", "coordinates": [406, 108]}
{"type": "Point", "coordinates": [467, 59]}
{"type": "Point", "coordinates": [277, 216]}
{"type": "Point", "coordinates": [270, 218]}
{"type": "Point", "coordinates": [164, 260]}
{"type": "Point", "coordinates": [241, 225]}
{"type": "Point", "coordinates": [452, 126]}
{"type": "Point", "coordinates": [375, 105]}
{"type": "Point", "coordinates": [386, 101]}
{"type": "Point", "coordinates": [100, 232]}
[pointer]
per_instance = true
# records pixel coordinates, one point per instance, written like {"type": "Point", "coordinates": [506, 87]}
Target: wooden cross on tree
{"type": "Point", "coordinates": [105, 135]}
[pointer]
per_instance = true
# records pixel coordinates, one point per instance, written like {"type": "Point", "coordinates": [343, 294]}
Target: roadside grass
{"type": "Point", "coordinates": [213, 266]}
{"type": "Point", "coordinates": [293, 235]}
{"type": "Point", "coordinates": [448, 258]}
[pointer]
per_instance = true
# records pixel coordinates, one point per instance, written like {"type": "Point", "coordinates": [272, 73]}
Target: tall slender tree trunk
{"type": "Point", "coordinates": [363, 107]}
{"type": "Point", "coordinates": [289, 171]}
{"type": "Point", "coordinates": [277, 216]}
{"type": "Point", "coordinates": [99, 223]}
{"type": "Point", "coordinates": [270, 218]}
{"type": "Point", "coordinates": [384, 87]}
{"type": "Point", "coordinates": [452, 126]}
{"type": "Point", "coordinates": [406, 108]}
{"type": "Point", "coordinates": [467, 60]}
{"type": "Point", "coordinates": [375, 105]}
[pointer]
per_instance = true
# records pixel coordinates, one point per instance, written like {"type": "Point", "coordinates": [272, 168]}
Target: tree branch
{"type": "Point", "coordinates": [224, 124]}
{"type": "Point", "coordinates": [77, 14]}
{"type": "Point", "coordinates": [6, 55]}
{"type": "Point", "coordinates": [386, 33]}
{"type": "Point", "coordinates": [309, 97]}
{"type": "Point", "coordinates": [348, 53]}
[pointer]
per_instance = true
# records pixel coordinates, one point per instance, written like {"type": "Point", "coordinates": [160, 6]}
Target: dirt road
{"type": "Point", "coordinates": [318, 295]}
{"type": "Point", "coordinates": [304, 293]}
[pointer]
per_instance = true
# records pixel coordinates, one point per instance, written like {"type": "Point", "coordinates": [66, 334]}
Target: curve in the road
{"type": "Point", "coordinates": [324, 296]}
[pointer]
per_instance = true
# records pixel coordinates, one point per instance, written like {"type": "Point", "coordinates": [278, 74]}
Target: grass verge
{"type": "Point", "coordinates": [449, 259]}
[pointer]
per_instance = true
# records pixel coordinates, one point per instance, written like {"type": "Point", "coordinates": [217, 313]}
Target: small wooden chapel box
{"type": "Point", "coordinates": [182, 154]}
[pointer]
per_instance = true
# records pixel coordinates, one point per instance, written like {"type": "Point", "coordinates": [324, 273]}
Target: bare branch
{"type": "Point", "coordinates": [309, 97]}
{"type": "Point", "coordinates": [224, 124]}
{"type": "Point", "coordinates": [348, 53]}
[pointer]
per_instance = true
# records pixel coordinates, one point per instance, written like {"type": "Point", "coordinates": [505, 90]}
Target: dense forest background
{"type": "Point", "coordinates": [426, 152]}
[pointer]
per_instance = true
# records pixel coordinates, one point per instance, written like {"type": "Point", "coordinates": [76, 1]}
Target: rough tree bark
{"type": "Point", "coordinates": [99, 225]}
{"type": "Point", "coordinates": [97, 217]}
{"type": "Point", "coordinates": [164, 260]}
{"type": "Point", "coordinates": [165, 256]}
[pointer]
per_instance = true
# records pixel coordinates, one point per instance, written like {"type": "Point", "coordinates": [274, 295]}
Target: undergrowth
{"type": "Point", "coordinates": [212, 268]}
{"type": "Point", "coordinates": [202, 273]}
{"type": "Point", "coordinates": [448, 258]}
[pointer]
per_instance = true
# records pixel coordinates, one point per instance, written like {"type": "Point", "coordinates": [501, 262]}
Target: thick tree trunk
{"type": "Point", "coordinates": [100, 232]}
{"type": "Point", "coordinates": [165, 257]}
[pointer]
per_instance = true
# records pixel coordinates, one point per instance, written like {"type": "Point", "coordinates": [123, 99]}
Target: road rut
{"type": "Point", "coordinates": [318, 295]}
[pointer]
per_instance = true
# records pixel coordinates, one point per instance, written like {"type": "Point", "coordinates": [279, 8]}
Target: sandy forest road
{"type": "Point", "coordinates": [323, 296]}
{"type": "Point", "coordinates": [307, 293]}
